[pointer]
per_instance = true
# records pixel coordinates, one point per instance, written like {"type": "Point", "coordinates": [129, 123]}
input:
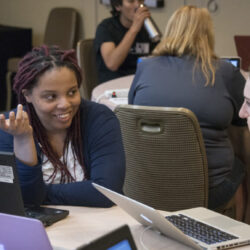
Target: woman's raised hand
{"type": "Point", "coordinates": [17, 125]}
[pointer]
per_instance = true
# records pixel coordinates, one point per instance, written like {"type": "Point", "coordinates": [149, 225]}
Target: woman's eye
{"type": "Point", "coordinates": [50, 97]}
{"type": "Point", "coordinates": [72, 92]}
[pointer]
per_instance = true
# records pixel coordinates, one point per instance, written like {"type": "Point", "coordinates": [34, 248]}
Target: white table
{"type": "Point", "coordinates": [85, 224]}
{"type": "Point", "coordinates": [118, 83]}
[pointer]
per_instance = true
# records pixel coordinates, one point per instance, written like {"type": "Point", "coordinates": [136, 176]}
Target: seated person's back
{"type": "Point", "coordinates": [186, 73]}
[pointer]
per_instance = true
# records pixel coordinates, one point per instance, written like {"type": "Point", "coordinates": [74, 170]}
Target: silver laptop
{"type": "Point", "coordinates": [198, 228]}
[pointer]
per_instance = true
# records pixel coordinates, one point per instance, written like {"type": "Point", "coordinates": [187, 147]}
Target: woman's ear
{"type": "Point", "coordinates": [118, 8]}
{"type": "Point", "coordinates": [26, 94]}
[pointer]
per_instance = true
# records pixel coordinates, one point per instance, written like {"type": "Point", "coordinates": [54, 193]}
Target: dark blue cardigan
{"type": "Point", "coordinates": [104, 160]}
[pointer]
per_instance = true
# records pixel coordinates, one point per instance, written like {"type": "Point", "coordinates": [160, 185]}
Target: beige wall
{"type": "Point", "coordinates": [231, 18]}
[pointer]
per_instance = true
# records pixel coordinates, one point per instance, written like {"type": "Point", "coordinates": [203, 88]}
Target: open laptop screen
{"type": "Point", "coordinates": [11, 196]}
{"type": "Point", "coordinates": [235, 61]}
{"type": "Point", "coordinates": [123, 245]}
{"type": "Point", "coordinates": [10, 192]}
{"type": "Point", "coordinates": [119, 239]}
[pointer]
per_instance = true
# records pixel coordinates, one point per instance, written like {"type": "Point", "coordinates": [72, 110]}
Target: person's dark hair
{"type": "Point", "coordinates": [115, 3]}
{"type": "Point", "coordinates": [33, 65]}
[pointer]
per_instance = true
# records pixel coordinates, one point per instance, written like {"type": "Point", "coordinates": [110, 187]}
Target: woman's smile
{"type": "Point", "coordinates": [56, 99]}
{"type": "Point", "coordinates": [64, 117]}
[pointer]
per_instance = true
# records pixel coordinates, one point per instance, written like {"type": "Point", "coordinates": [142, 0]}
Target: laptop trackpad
{"type": "Point", "coordinates": [222, 222]}
{"type": "Point", "coordinates": [229, 225]}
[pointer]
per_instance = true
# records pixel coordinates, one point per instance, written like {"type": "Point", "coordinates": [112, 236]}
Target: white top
{"type": "Point", "coordinates": [76, 172]}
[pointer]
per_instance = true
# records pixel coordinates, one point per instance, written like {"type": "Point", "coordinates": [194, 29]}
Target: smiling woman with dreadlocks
{"type": "Point", "coordinates": [61, 143]}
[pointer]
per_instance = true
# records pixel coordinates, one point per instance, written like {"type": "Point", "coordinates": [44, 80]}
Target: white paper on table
{"type": "Point", "coordinates": [118, 101]}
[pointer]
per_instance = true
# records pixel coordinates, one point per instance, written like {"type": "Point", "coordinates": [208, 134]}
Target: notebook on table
{"type": "Point", "coordinates": [11, 197]}
{"type": "Point", "coordinates": [198, 228]}
{"type": "Point", "coordinates": [18, 232]}
{"type": "Point", "coordinates": [118, 239]}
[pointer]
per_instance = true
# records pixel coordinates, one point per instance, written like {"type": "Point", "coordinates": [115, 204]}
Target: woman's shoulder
{"type": "Point", "coordinates": [93, 110]}
{"type": "Point", "coordinates": [223, 64]}
{"type": "Point", "coordinates": [227, 70]}
{"type": "Point", "coordinates": [97, 118]}
{"type": "Point", "coordinates": [150, 61]}
{"type": "Point", "coordinates": [164, 59]}
{"type": "Point", "coordinates": [107, 22]}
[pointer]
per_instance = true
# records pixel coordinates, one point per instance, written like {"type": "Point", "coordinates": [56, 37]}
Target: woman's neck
{"type": "Point", "coordinates": [57, 142]}
{"type": "Point", "coordinates": [125, 21]}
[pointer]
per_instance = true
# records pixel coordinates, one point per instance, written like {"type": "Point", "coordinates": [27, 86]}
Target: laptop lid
{"type": "Point", "coordinates": [234, 60]}
{"type": "Point", "coordinates": [150, 217]}
{"type": "Point", "coordinates": [147, 216]}
{"type": "Point", "coordinates": [118, 239]}
{"type": "Point", "coordinates": [10, 192]}
{"type": "Point", "coordinates": [18, 232]}
{"type": "Point", "coordinates": [11, 197]}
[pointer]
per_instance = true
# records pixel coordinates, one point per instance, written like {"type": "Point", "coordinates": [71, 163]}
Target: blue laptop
{"type": "Point", "coordinates": [119, 239]}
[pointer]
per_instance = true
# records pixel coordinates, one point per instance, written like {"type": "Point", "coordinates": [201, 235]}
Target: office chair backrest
{"type": "Point", "coordinates": [61, 28]}
{"type": "Point", "coordinates": [86, 60]}
{"type": "Point", "coordinates": [165, 157]}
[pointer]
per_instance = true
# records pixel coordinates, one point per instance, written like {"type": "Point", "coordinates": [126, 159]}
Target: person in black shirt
{"type": "Point", "coordinates": [121, 39]}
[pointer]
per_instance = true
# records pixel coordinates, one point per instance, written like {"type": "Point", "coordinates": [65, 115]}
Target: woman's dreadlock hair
{"type": "Point", "coordinates": [31, 67]}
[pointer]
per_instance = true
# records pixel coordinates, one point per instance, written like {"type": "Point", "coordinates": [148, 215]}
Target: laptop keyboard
{"type": "Point", "coordinates": [199, 230]}
{"type": "Point", "coordinates": [47, 216]}
{"type": "Point", "coordinates": [47, 220]}
{"type": "Point", "coordinates": [36, 215]}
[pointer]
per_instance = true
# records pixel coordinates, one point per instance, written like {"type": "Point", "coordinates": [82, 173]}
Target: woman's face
{"type": "Point", "coordinates": [127, 11]}
{"type": "Point", "coordinates": [245, 109]}
{"type": "Point", "coordinates": [56, 99]}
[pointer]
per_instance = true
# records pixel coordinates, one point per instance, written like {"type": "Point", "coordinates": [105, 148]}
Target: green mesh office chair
{"type": "Point", "coordinates": [165, 157]}
{"type": "Point", "coordinates": [86, 60]}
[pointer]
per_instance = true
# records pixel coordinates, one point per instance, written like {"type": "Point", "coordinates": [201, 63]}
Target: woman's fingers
{"type": "Point", "coordinates": [19, 115]}
{"type": "Point", "coordinates": [26, 120]}
{"type": "Point", "coordinates": [2, 122]}
{"type": "Point", "coordinates": [12, 121]}
{"type": "Point", "coordinates": [16, 124]}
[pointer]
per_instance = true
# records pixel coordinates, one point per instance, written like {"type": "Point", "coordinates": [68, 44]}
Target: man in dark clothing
{"type": "Point", "coordinates": [121, 39]}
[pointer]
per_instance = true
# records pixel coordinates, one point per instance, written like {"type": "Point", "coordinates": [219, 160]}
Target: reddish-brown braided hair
{"type": "Point", "coordinates": [31, 67]}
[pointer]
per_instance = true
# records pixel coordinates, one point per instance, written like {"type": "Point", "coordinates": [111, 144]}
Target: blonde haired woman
{"type": "Point", "coordinates": [185, 72]}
